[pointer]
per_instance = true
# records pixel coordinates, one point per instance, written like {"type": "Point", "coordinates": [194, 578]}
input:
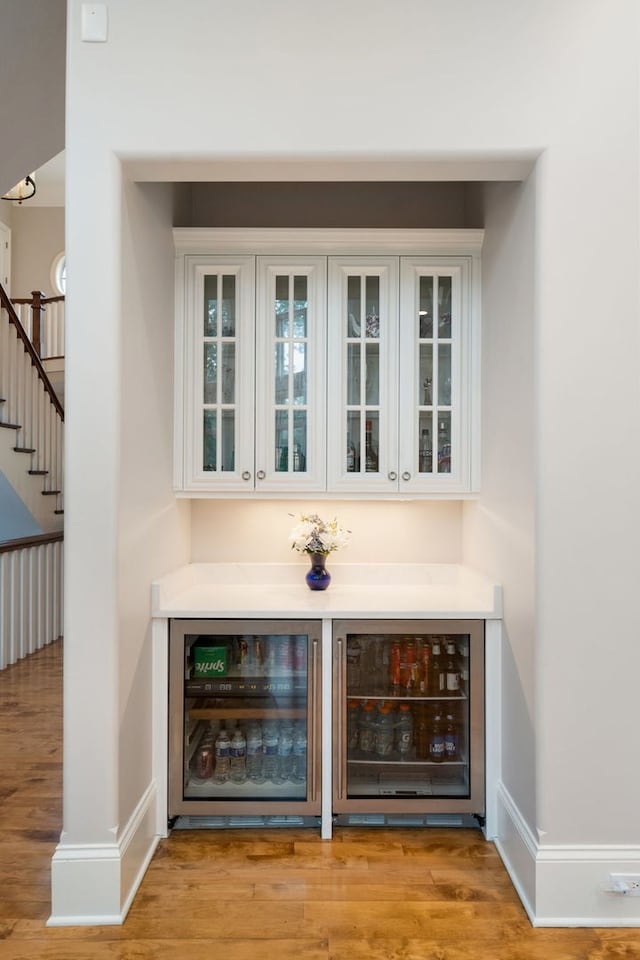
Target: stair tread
{"type": "Point", "coordinates": [11, 426]}
{"type": "Point", "coordinates": [24, 449]}
{"type": "Point", "coordinates": [58, 511]}
{"type": "Point", "coordinates": [37, 473]}
{"type": "Point", "coordinates": [51, 493]}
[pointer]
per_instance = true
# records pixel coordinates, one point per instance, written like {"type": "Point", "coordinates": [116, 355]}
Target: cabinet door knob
{"type": "Point", "coordinates": [393, 475]}
{"type": "Point", "coordinates": [260, 474]}
{"type": "Point", "coordinates": [406, 475]}
{"type": "Point", "coordinates": [246, 475]}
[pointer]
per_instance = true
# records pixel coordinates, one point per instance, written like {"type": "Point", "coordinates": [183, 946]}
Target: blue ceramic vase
{"type": "Point", "coordinates": [318, 577]}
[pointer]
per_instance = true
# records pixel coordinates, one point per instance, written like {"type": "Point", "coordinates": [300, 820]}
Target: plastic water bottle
{"type": "Point", "coordinates": [238, 757]}
{"type": "Point", "coordinates": [254, 753]}
{"type": "Point", "coordinates": [299, 771]}
{"type": "Point", "coordinates": [270, 751]}
{"type": "Point", "coordinates": [223, 746]}
{"type": "Point", "coordinates": [285, 751]}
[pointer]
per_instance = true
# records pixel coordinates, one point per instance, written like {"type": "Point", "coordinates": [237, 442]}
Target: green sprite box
{"type": "Point", "coordinates": [210, 661]}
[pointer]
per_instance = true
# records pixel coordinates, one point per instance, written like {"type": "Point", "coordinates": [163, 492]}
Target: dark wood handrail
{"type": "Point", "coordinates": [44, 300]}
{"type": "Point", "coordinates": [30, 349]}
{"type": "Point", "coordinates": [38, 303]}
{"type": "Point", "coordinates": [22, 543]}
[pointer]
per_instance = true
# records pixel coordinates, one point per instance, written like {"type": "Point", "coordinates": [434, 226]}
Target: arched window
{"type": "Point", "coordinates": [59, 274]}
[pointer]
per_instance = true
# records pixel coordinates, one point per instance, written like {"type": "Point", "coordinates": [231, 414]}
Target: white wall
{"type": "Point", "coordinates": [426, 89]}
{"type": "Point", "coordinates": [153, 528]}
{"type": "Point", "coordinates": [499, 529]}
{"type": "Point", "coordinates": [246, 530]}
{"type": "Point", "coordinates": [37, 235]}
{"type": "Point", "coordinates": [32, 78]}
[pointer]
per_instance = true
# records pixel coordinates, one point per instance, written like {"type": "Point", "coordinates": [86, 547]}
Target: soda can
{"type": "Point", "coordinates": [204, 762]}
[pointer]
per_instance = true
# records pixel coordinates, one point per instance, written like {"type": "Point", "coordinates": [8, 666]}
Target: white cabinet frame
{"type": "Point", "coordinates": [413, 250]}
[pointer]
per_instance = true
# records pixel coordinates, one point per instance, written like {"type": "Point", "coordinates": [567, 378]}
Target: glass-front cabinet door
{"type": "Point", "coordinates": [244, 717]}
{"type": "Point", "coordinates": [435, 376]}
{"type": "Point", "coordinates": [290, 373]}
{"type": "Point", "coordinates": [409, 716]}
{"type": "Point", "coordinates": [362, 389]}
{"type": "Point", "coordinates": [218, 424]}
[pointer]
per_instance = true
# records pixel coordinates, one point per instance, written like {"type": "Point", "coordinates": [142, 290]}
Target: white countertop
{"type": "Point", "coordinates": [279, 590]}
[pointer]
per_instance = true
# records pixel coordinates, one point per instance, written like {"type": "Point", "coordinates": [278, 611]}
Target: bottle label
{"type": "Point", "coordinates": [453, 681]}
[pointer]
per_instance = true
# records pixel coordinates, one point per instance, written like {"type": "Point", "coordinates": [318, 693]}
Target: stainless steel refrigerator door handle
{"type": "Point", "coordinates": [406, 475]}
{"type": "Point", "coordinates": [393, 475]}
{"type": "Point", "coordinates": [246, 475]}
{"type": "Point", "coordinates": [314, 732]}
{"type": "Point", "coordinates": [339, 690]}
{"type": "Point", "coordinates": [260, 474]}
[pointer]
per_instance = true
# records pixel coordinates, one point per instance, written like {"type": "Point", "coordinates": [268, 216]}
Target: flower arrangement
{"type": "Point", "coordinates": [312, 534]}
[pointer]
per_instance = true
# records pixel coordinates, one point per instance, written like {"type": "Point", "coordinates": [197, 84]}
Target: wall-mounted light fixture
{"type": "Point", "coordinates": [23, 190]}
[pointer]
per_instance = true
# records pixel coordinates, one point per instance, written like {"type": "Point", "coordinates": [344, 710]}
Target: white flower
{"type": "Point", "coordinates": [315, 535]}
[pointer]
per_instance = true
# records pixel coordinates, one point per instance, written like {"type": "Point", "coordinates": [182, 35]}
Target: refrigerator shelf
{"type": "Point", "coordinates": [248, 713]}
{"type": "Point", "coordinates": [407, 697]}
{"type": "Point", "coordinates": [245, 791]}
{"type": "Point", "coordinates": [407, 764]}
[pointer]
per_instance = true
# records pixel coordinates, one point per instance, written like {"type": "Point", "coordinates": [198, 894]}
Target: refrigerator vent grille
{"type": "Point", "coordinates": [234, 823]}
{"type": "Point", "coordinates": [404, 820]}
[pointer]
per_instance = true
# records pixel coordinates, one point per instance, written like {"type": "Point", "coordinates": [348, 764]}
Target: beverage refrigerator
{"type": "Point", "coordinates": [244, 720]}
{"type": "Point", "coordinates": [408, 719]}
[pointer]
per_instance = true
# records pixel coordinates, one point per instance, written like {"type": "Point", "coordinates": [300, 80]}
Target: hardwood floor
{"type": "Point", "coordinates": [369, 894]}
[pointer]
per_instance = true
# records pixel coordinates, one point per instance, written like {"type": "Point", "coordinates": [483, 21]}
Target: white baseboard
{"type": "Point", "coordinates": [564, 885]}
{"type": "Point", "coordinates": [94, 884]}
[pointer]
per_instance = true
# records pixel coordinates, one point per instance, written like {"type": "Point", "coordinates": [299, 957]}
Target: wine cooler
{"type": "Point", "coordinates": [408, 717]}
{"type": "Point", "coordinates": [244, 718]}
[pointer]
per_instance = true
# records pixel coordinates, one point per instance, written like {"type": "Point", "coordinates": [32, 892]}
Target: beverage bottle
{"type": "Point", "coordinates": [425, 455]}
{"type": "Point", "coordinates": [238, 757]}
{"type": "Point", "coordinates": [270, 751]}
{"type": "Point", "coordinates": [366, 728]}
{"type": "Point", "coordinates": [436, 738]}
{"type": "Point", "coordinates": [410, 678]}
{"type": "Point", "coordinates": [463, 659]}
{"type": "Point", "coordinates": [353, 717]}
{"type": "Point", "coordinates": [299, 767]}
{"type": "Point", "coordinates": [222, 748]}
{"type": "Point", "coordinates": [451, 736]}
{"type": "Point", "coordinates": [383, 731]}
{"type": "Point", "coordinates": [351, 456]}
{"type": "Point", "coordinates": [395, 667]}
{"type": "Point", "coordinates": [254, 753]}
{"type": "Point", "coordinates": [285, 751]}
{"type": "Point", "coordinates": [422, 734]}
{"type": "Point", "coordinates": [437, 669]}
{"type": "Point", "coordinates": [452, 671]}
{"type": "Point", "coordinates": [425, 667]}
{"type": "Point", "coordinates": [371, 457]}
{"type": "Point", "coordinates": [404, 731]}
{"type": "Point", "coordinates": [354, 657]}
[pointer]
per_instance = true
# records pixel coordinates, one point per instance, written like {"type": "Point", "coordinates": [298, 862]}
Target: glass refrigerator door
{"type": "Point", "coordinates": [249, 718]}
{"type": "Point", "coordinates": [411, 719]}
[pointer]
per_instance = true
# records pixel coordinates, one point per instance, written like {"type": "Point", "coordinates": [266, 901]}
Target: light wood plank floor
{"type": "Point", "coordinates": [368, 894]}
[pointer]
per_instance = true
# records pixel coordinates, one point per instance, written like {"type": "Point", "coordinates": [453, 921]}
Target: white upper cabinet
{"type": "Point", "coordinates": [340, 363]}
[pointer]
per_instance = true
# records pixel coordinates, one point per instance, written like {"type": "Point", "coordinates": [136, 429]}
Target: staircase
{"type": "Point", "coordinates": [33, 418]}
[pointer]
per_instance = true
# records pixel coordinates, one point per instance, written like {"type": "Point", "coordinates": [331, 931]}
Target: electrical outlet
{"type": "Point", "coordinates": [628, 884]}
